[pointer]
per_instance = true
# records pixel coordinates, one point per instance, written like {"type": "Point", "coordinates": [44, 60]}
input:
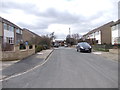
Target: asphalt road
{"type": "Point", "coordinates": [67, 68]}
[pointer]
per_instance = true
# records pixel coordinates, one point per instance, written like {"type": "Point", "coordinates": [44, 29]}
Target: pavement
{"type": "Point", "coordinates": [5, 64]}
{"type": "Point", "coordinates": [10, 68]}
{"type": "Point", "coordinates": [67, 68]}
{"type": "Point", "coordinates": [107, 55]}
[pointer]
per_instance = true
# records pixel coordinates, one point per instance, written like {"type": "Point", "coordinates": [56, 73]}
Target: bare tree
{"type": "Point", "coordinates": [52, 36]}
{"type": "Point", "coordinates": [76, 37]}
{"type": "Point", "coordinates": [70, 40]}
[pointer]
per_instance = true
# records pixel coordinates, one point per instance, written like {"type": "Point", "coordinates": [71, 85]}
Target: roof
{"type": "Point", "coordinates": [31, 32]}
{"type": "Point", "coordinates": [115, 23]}
{"type": "Point", "coordinates": [8, 22]}
{"type": "Point", "coordinates": [99, 28]}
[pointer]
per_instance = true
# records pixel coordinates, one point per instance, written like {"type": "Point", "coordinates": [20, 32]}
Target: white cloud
{"type": "Point", "coordinates": [45, 16]}
{"type": "Point", "coordinates": [20, 16]}
{"type": "Point", "coordinates": [60, 30]}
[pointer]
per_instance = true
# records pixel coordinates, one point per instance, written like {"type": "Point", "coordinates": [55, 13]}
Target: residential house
{"type": "Point", "coordinates": [100, 35]}
{"type": "Point", "coordinates": [30, 37]}
{"type": "Point", "coordinates": [12, 40]}
{"type": "Point", "coordinates": [115, 27]}
{"type": "Point", "coordinates": [10, 34]}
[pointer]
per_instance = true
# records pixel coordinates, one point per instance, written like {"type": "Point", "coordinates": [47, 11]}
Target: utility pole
{"type": "Point", "coordinates": [69, 32]}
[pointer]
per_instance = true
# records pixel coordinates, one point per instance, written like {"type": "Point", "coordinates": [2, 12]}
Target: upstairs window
{"type": "Point", "coordinates": [11, 28]}
{"type": "Point", "coordinates": [119, 24]}
{"type": "Point", "coordinates": [98, 33]}
{"type": "Point", "coordinates": [17, 30]}
{"type": "Point", "coordinates": [114, 27]}
{"type": "Point", "coordinates": [20, 31]}
{"type": "Point", "coordinates": [5, 27]}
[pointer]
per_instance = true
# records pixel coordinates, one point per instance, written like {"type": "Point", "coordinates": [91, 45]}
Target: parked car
{"type": "Point", "coordinates": [65, 45]}
{"type": "Point", "coordinates": [83, 46]}
{"type": "Point", "coordinates": [56, 45]}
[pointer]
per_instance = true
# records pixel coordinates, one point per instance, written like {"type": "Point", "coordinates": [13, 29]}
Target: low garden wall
{"type": "Point", "coordinates": [18, 54]}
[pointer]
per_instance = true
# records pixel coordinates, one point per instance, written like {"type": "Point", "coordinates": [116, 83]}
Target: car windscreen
{"type": "Point", "coordinates": [84, 44]}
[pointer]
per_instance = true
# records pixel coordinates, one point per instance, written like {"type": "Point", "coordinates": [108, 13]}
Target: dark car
{"type": "Point", "coordinates": [83, 46]}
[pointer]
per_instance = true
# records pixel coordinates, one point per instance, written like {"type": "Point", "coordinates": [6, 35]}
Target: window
{"type": "Point", "coordinates": [96, 41]}
{"type": "Point", "coordinates": [91, 35]}
{"type": "Point", "coordinates": [118, 24]}
{"type": "Point", "coordinates": [17, 30]}
{"type": "Point", "coordinates": [5, 27]}
{"type": "Point", "coordinates": [11, 28]}
{"type": "Point", "coordinates": [97, 33]}
{"type": "Point", "coordinates": [114, 27]}
{"type": "Point", "coordinates": [20, 31]}
{"type": "Point", "coordinates": [10, 40]}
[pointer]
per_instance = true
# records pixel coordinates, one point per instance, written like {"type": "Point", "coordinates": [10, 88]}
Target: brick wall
{"type": "Point", "coordinates": [30, 36]}
{"type": "Point", "coordinates": [18, 54]}
{"type": "Point", "coordinates": [106, 34]}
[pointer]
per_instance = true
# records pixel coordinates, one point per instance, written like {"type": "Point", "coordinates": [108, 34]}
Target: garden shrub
{"type": "Point", "coordinates": [39, 48]}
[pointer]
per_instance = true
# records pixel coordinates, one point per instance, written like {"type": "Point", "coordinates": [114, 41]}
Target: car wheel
{"type": "Point", "coordinates": [77, 50]}
{"type": "Point", "coordinates": [89, 51]}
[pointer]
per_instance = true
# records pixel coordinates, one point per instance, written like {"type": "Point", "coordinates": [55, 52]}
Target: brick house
{"type": "Point", "coordinates": [100, 35]}
{"type": "Point", "coordinates": [10, 35]}
{"type": "Point", "coordinates": [12, 38]}
{"type": "Point", "coordinates": [30, 37]}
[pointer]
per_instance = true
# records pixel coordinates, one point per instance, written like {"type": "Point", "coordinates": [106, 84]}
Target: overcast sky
{"type": "Point", "coordinates": [47, 16]}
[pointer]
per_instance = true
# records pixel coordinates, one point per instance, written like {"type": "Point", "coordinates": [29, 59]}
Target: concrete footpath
{"type": "Point", "coordinates": [10, 68]}
{"type": "Point", "coordinates": [108, 55]}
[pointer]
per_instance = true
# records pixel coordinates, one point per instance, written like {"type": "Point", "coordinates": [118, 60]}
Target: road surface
{"type": "Point", "coordinates": [67, 68]}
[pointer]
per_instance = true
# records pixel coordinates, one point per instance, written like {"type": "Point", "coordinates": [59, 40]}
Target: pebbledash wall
{"type": "Point", "coordinates": [17, 54]}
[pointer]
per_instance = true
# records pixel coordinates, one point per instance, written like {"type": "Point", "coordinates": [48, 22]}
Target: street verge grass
{"type": "Point", "coordinates": [104, 48]}
{"type": "Point", "coordinates": [101, 49]}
